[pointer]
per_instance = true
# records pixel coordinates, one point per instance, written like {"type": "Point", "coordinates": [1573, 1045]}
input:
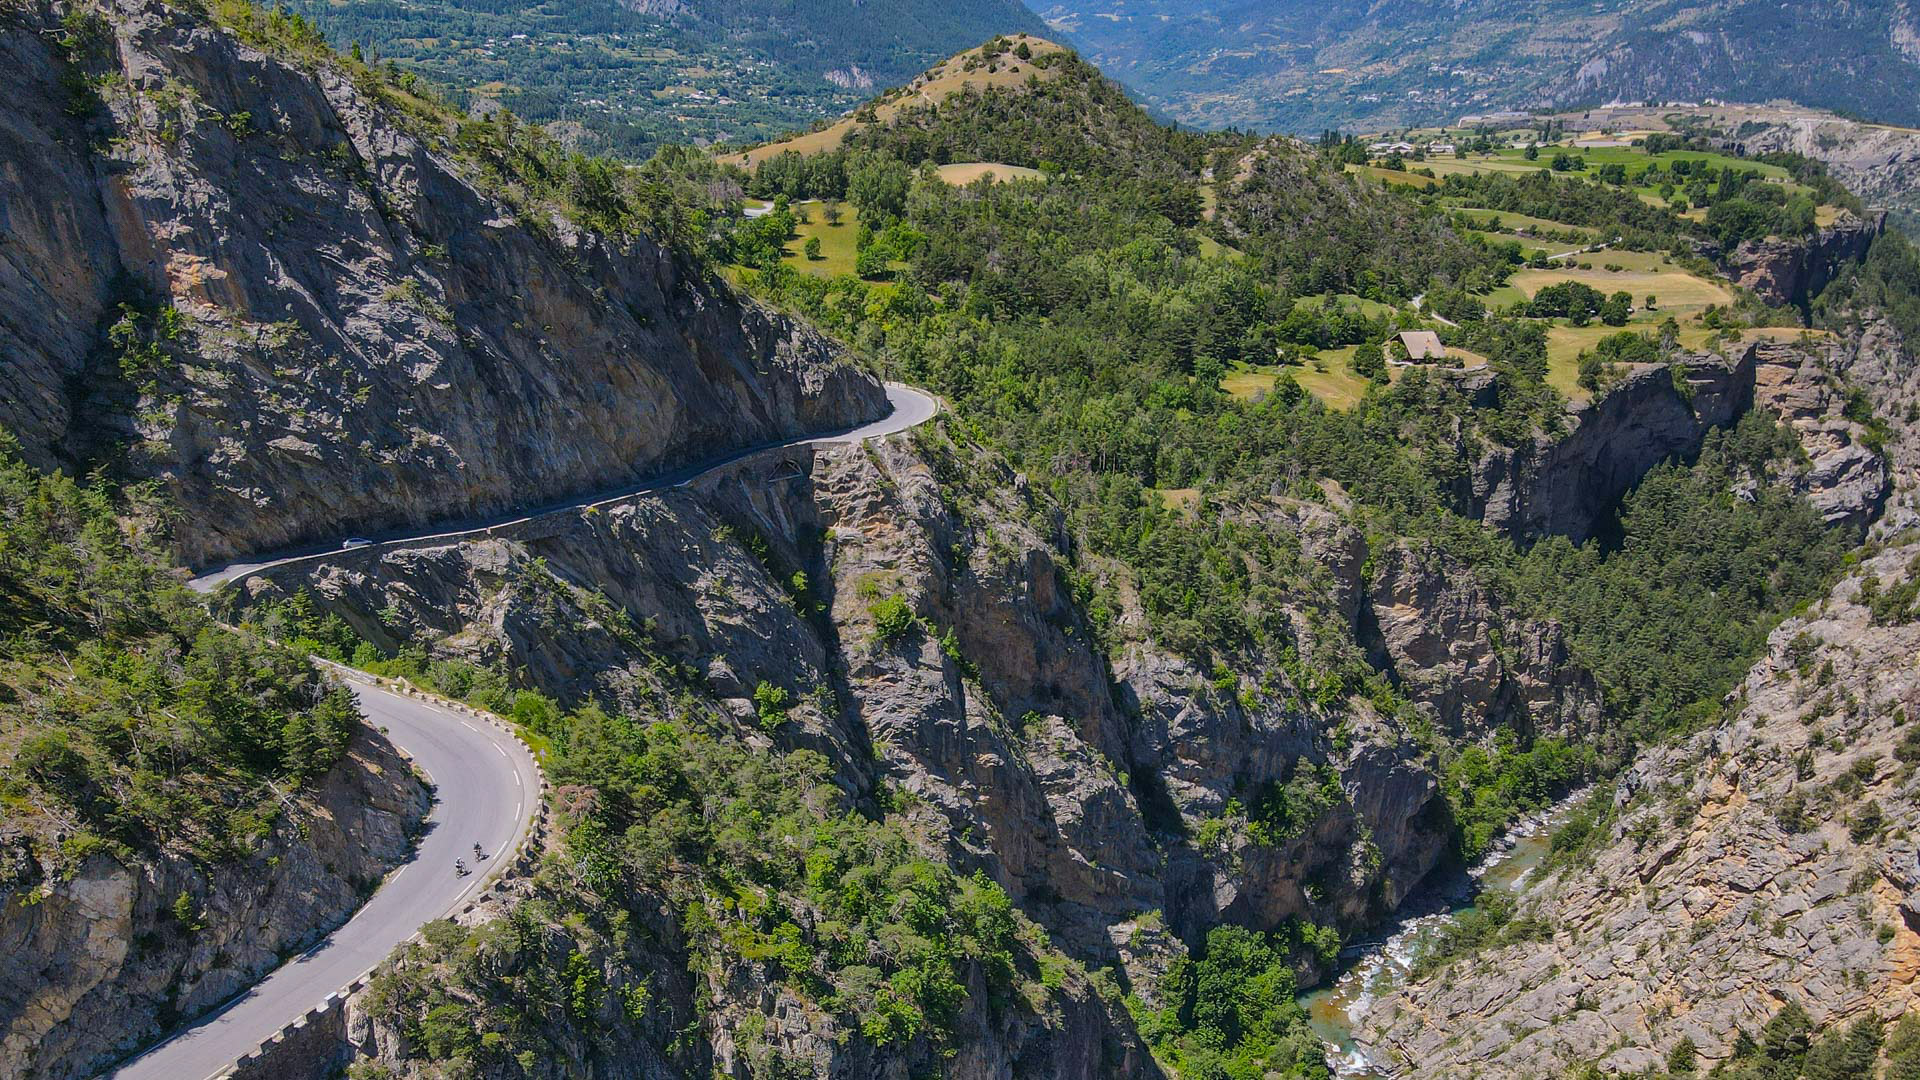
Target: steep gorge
{"type": "Point", "coordinates": [905, 641]}
{"type": "Point", "coordinates": [1118, 796]}
{"type": "Point", "coordinates": [1760, 863]}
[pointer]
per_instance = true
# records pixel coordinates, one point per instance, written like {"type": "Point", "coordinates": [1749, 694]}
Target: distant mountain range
{"type": "Point", "coordinates": [1299, 66]}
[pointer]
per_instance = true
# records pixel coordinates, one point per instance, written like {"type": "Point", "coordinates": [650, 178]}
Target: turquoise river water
{"type": "Point", "coordinates": [1375, 967]}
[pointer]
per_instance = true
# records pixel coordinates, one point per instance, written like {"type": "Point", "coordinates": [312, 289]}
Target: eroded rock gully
{"type": "Point", "coordinates": [1082, 782]}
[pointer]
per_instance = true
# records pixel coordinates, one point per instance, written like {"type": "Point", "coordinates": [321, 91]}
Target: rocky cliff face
{"type": "Point", "coordinates": [1847, 474]}
{"type": "Point", "coordinates": [326, 322]}
{"type": "Point", "coordinates": [1565, 485]}
{"type": "Point", "coordinates": [1754, 864]}
{"type": "Point", "coordinates": [1110, 794]}
{"type": "Point", "coordinates": [1875, 359]}
{"type": "Point", "coordinates": [1760, 862]}
{"type": "Point", "coordinates": [95, 964]}
{"type": "Point", "coordinates": [1454, 649]}
{"type": "Point", "coordinates": [1791, 271]}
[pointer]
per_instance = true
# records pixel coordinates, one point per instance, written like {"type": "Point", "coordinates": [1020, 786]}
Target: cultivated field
{"type": "Point", "coordinates": [1510, 221]}
{"type": "Point", "coordinates": [960, 174]}
{"type": "Point", "coordinates": [1677, 290]}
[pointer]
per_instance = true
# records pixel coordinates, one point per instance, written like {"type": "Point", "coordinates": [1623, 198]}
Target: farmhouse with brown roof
{"type": "Point", "coordinates": [1416, 347]}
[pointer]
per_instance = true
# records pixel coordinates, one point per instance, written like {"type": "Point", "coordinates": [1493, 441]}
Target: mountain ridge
{"type": "Point", "coordinates": [1372, 66]}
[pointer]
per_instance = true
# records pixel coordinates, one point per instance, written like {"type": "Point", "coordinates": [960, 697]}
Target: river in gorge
{"type": "Point", "coordinates": [1372, 968]}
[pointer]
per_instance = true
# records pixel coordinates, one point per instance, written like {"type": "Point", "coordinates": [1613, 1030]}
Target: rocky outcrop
{"type": "Point", "coordinates": [1875, 359]}
{"type": "Point", "coordinates": [96, 964]}
{"type": "Point", "coordinates": [1783, 270]}
{"type": "Point", "coordinates": [1459, 655]}
{"type": "Point", "coordinates": [1105, 793]}
{"type": "Point", "coordinates": [1567, 484]}
{"type": "Point", "coordinates": [1564, 485]}
{"type": "Point", "coordinates": [327, 323]}
{"type": "Point", "coordinates": [1761, 862]}
{"type": "Point", "coordinates": [1845, 476]}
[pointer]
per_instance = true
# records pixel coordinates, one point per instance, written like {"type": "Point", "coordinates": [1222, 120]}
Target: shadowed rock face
{"type": "Point", "coordinates": [1782, 271]}
{"type": "Point", "coordinates": [99, 965]}
{"type": "Point", "coordinates": [1567, 485]}
{"type": "Point", "coordinates": [366, 339]}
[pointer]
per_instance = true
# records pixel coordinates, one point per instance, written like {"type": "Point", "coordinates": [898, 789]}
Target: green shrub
{"type": "Point", "coordinates": [771, 704]}
{"type": "Point", "coordinates": [892, 619]}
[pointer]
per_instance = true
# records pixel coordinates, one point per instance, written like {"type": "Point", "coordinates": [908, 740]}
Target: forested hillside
{"type": "Point", "coordinates": [135, 722]}
{"type": "Point", "coordinates": [625, 78]}
{"type": "Point", "coordinates": [181, 804]}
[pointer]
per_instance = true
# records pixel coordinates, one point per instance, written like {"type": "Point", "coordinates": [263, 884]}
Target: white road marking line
{"type": "Point", "coordinates": [502, 753]}
{"type": "Point", "coordinates": [469, 727]}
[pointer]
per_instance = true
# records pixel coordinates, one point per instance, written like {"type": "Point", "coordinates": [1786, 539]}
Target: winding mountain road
{"type": "Point", "coordinates": [910, 408]}
{"type": "Point", "coordinates": [486, 787]}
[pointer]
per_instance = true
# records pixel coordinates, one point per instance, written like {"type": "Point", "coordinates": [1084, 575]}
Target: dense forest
{"type": "Point", "coordinates": [131, 720]}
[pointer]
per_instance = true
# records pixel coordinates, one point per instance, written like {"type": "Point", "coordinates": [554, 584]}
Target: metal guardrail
{"type": "Point", "coordinates": [519, 861]}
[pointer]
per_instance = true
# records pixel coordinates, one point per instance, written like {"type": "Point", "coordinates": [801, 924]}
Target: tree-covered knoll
{"type": "Point", "coordinates": [1315, 229]}
{"type": "Point", "coordinates": [1076, 121]}
{"type": "Point", "coordinates": [128, 719]}
{"type": "Point", "coordinates": [1086, 330]}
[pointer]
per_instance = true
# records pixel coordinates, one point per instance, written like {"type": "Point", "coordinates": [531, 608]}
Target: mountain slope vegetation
{"type": "Point", "coordinates": [1069, 734]}
{"type": "Point", "coordinates": [626, 78]}
{"type": "Point", "coordinates": [1137, 653]}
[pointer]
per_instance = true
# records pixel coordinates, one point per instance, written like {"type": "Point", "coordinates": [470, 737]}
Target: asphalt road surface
{"type": "Point", "coordinates": [910, 408]}
{"type": "Point", "coordinates": [486, 786]}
